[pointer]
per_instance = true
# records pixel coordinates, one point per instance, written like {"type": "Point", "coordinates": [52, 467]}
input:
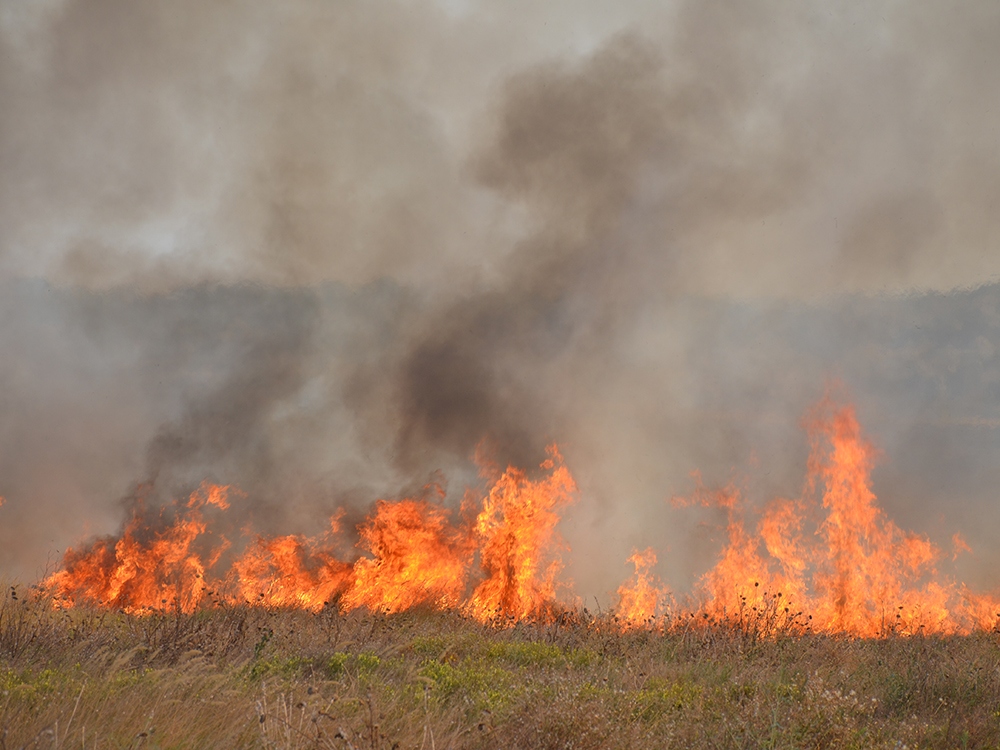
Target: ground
{"type": "Point", "coordinates": [250, 677]}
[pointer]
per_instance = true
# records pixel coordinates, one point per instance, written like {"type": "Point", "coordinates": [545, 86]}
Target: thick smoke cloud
{"type": "Point", "coordinates": [323, 250]}
{"type": "Point", "coordinates": [803, 150]}
{"type": "Point", "coordinates": [569, 147]}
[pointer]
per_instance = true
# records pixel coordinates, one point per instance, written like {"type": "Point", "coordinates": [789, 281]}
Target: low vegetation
{"type": "Point", "coordinates": [259, 678]}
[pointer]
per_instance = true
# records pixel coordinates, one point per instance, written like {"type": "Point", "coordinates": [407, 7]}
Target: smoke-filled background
{"type": "Point", "coordinates": [322, 250]}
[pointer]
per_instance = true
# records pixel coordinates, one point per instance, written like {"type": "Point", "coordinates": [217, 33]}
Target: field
{"type": "Point", "coordinates": [264, 678]}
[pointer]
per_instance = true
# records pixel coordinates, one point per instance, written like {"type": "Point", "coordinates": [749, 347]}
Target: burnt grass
{"type": "Point", "coordinates": [247, 677]}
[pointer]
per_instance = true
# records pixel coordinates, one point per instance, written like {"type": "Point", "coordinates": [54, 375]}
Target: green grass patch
{"type": "Point", "coordinates": [479, 686]}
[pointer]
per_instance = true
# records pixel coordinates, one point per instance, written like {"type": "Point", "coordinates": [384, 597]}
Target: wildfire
{"type": "Point", "coordinates": [145, 569]}
{"type": "Point", "coordinates": [518, 544]}
{"type": "Point", "coordinates": [828, 561]}
{"type": "Point", "coordinates": [642, 599]}
{"type": "Point", "coordinates": [288, 571]}
{"type": "Point", "coordinates": [833, 555]}
{"type": "Point", "coordinates": [418, 556]}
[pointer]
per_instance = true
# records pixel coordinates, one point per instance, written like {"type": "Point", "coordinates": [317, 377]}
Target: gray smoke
{"type": "Point", "coordinates": [323, 251]}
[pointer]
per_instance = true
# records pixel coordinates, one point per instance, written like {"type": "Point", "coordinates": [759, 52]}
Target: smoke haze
{"type": "Point", "coordinates": [322, 251]}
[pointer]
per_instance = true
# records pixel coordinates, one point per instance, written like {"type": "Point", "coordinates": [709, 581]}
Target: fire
{"type": "Point", "coordinates": [145, 570]}
{"type": "Point", "coordinates": [833, 555]}
{"type": "Point", "coordinates": [642, 599]}
{"type": "Point", "coordinates": [415, 555]}
{"type": "Point", "coordinates": [959, 544]}
{"type": "Point", "coordinates": [419, 558]}
{"type": "Point", "coordinates": [518, 543]}
{"type": "Point", "coordinates": [828, 561]}
{"type": "Point", "coordinates": [289, 571]}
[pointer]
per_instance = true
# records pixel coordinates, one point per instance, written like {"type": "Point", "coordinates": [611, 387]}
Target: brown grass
{"type": "Point", "coordinates": [249, 677]}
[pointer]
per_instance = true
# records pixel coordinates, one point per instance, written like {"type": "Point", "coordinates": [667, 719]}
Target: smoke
{"type": "Point", "coordinates": [323, 251]}
{"type": "Point", "coordinates": [802, 151]}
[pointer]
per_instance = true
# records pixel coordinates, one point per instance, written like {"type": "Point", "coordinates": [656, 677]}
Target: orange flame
{"type": "Point", "coordinates": [642, 599]}
{"type": "Point", "coordinates": [145, 570]}
{"type": "Point", "coordinates": [857, 573]}
{"type": "Point", "coordinates": [418, 557]}
{"type": "Point", "coordinates": [959, 544]}
{"type": "Point", "coordinates": [519, 544]}
{"type": "Point", "coordinates": [828, 561]}
{"type": "Point", "coordinates": [289, 571]}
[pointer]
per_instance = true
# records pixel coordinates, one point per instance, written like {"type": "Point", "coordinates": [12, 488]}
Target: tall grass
{"type": "Point", "coordinates": [254, 678]}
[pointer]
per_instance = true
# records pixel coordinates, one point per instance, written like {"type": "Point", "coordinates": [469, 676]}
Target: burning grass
{"type": "Point", "coordinates": [417, 556]}
{"type": "Point", "coordinates": [258, 677]}
{"type": "Point", "coordinates": [822, 624]}
{"type": "Point", "coordinates": [831, 556]}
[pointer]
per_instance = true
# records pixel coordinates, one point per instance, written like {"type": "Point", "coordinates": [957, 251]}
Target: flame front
{"type": "Point", "coordinates": [145, 570]}
{"type": "Point", "coordinates": [828, 561]}
{"type": "Point", "coordinates": [288, 571]}
{"type": "Point", "coordinates": [418, 556]}
{"type": "Point", "coordinates": [833, 555]}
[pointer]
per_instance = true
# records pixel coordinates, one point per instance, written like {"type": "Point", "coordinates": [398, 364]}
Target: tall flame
{"type": "Point", "coordinates": [855, 571]}
{"type": "Point", "coordinates": [828, 561]}
{"type": "Point", "coordinates": [642, 599]}
{"type": "Point", "coordinates": [144, 569]}
{"type": "Point", "coordinates": [415, 556]}
{"type": "Point", "coordinates": [518, 542]}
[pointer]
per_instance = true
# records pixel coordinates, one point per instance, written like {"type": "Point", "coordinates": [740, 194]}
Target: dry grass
{"type": "Point", "coordinates": [244, 677]}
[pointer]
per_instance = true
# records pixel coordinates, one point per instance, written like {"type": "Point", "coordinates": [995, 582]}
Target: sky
{"type": "Point", "coordinates": [322, 250]}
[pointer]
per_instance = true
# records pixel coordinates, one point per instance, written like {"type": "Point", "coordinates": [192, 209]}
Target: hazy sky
{"type": "Point", "coordinates": [786, 150]}
{"type": "Point", "coordinates": [321, 249]}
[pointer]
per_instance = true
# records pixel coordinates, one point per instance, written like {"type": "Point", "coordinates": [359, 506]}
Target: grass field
{"type": "Point", "coordinates": [257, 678]}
